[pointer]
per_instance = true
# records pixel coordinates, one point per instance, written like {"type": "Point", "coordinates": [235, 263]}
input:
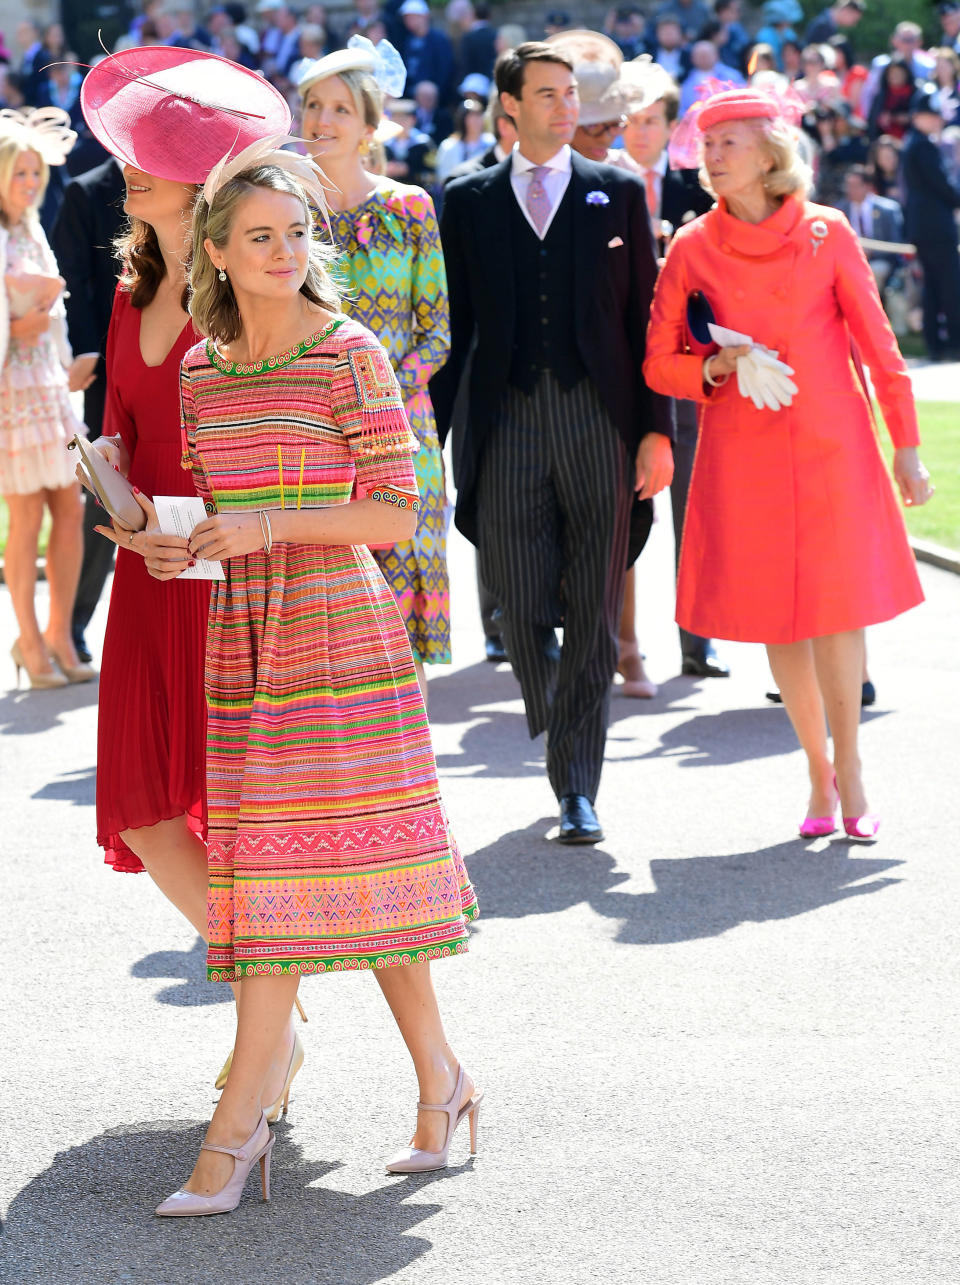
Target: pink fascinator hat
{"type": "Point", "coordinates": [718, 101]}
{"type": "Point", "coordinates": [175, 113]}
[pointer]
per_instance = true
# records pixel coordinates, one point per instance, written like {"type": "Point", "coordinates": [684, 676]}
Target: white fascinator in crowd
{"type": "Point", "coordinates": [44, 130]}
{"type": "Point", "coordinates": [381, 60]}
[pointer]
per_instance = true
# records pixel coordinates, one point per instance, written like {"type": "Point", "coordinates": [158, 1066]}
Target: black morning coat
{"type": "Point", "coordinates": [87, 224]}
{"type": "Point", "coordinates": [614, 269]}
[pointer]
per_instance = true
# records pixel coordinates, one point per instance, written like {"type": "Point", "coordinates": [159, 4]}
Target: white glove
{"type": "Point", "coordinates": [761, 375]}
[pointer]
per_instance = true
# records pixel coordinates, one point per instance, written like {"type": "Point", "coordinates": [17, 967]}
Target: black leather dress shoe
{"type": "Point", "coordinates": [496, 652]}
{"type": "Point", "coordinates": [705, 664]}
{"type": "Point", "coordinates": [578, 821]}
{"type": "Point", "coordinates": [84, 655]}
{"type": "Point", "coordinates": [868, 694]}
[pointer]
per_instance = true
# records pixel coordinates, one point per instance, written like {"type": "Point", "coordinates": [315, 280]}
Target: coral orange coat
{"type": "Point", "coordinates": [792, 529]}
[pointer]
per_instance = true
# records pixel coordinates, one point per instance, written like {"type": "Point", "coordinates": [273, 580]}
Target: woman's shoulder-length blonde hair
{"type": "Point", "coordinates": [213, 306]}
{"type": "Point", "coordinates": [790, 174]}
{"type": "Point", "coordinates": [11, 149]}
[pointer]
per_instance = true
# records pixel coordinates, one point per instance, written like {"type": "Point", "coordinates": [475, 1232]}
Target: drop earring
{"type": "Point", "coordinates": [222, 275]}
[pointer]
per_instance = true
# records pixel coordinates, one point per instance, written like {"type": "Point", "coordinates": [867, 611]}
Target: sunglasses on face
{"type": "Point", "coordinates": [605, 127]}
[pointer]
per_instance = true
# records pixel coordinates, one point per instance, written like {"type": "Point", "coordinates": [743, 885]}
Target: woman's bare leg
{"type": "Point", "coordinates": [629, 659]}
{"type": "Point", "coordinates": [421, 679]}
{"type": "Point", "coordinates": [264, 1015]}
{"type": "Point", "coordinates": [796, 676]}
{"type": "Point", "coordinates": [64, 558]}
{"type": "Point", "coordinates": [20, 573]}
{"type": "Point", "coordinates": [176, 860]}
{"type": "Point", "coordinates": [408, 989]}
{"type": "Point", "coordinates": [839, 661]}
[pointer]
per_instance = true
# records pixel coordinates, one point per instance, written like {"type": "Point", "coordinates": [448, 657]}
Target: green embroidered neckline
{"type": "Point", "coordinates": [270, 363]}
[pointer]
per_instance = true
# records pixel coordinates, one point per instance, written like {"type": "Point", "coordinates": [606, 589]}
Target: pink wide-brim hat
{"type": "Point", "coordinates": [174, 113]}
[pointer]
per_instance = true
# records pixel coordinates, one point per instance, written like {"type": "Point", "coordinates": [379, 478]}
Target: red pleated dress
{"type": "Point", "coordinates": [150, 738]}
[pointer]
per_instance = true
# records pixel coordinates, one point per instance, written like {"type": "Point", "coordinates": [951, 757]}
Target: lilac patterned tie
{"type": "Point", "coordinates": [538, 203]}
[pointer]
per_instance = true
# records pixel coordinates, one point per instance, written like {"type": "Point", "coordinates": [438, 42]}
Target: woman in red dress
{"type": "Point", "coordinates": [793, 536]}
{"type": "Point", "coordinates": [152, 728]}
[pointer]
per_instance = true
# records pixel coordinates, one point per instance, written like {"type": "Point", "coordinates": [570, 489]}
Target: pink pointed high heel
{"type": "Point", "coordinates": [820, 827]}
{"type": "Point", "coordinates": [188, 1204]}
{"type": "Point", "coordinates": [413, 1160]}
{"type": "Point", "coordinates": [865, 827]}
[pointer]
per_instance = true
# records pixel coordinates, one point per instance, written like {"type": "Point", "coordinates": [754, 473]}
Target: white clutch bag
{"type": "Point", "coordinates": [110, 487]}
{"type": "Point", "coordinates": [27, 290]}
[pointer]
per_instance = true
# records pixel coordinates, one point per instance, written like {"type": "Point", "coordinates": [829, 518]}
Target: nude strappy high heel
{"type": "Point", "coordinates": [53, 678]}
{"type": "Point", "coordinates": [413, 1160]}
{"type": "Point", "coordinates": [221, 1080]}
{"type": "Point", "coordinates": [188, 1204]}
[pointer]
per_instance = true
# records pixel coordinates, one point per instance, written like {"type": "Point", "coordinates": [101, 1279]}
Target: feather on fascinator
{"type": "Point", "coordinates": [269, 151]}
{"type": "Point", "coordinates": [719, 100]}
{"type": "Point", "coordinates": [44, 130]}
{"type": "Point", "coordinates": [381, 60]}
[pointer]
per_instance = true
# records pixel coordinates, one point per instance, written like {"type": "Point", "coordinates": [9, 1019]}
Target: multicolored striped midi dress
{"type": "Point", "coordinates": [395, 283]}
{"type": "Point", "coordinates": [329, 847]}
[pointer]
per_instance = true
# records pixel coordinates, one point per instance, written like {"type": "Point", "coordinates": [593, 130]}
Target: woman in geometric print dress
{"type": "Point", "coordinates": [328, 843]}
{"type": "Point", "coordinates": [395, 283]}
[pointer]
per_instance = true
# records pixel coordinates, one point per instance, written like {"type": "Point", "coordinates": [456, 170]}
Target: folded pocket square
{"type": "Point", "coordinates": [617, 240]}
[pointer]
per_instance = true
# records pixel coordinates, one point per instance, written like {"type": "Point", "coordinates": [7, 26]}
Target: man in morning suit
{"type": "Point", "coordinates": [82, 238]}
{"type": "Point", "coordinates": [550, 269]}
{"type": "Point", "coordinates": [505, 132]}
{"type": "Point", "coordinates": [873, 217]}
{"type": "Point", "coordinates": [929, 223]}
{"type": "Point", "coordinates": [674, 197]}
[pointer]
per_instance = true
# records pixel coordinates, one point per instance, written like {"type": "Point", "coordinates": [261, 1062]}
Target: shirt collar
{"type": "Point", "coordinates": [560, 161]}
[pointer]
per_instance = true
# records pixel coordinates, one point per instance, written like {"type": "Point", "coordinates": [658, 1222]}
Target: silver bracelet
{"type": "Point", "coordinates": [266, 530]}
{"type": "Point", "coordinates": [708, 378]}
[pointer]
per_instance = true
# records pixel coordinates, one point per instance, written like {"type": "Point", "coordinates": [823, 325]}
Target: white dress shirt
{"type": "Point", "coordinates": [655, 175]}
{"type": "Point", "coordinates": [862, 216]}
{"type": "Point", "coordinates": [554, 184]}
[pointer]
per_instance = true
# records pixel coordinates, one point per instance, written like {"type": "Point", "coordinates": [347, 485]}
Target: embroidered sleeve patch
{"type": "Point", "coordinates": [373, 380]}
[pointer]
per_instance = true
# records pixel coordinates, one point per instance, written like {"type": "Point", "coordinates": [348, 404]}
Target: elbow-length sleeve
{"type": "Point", "coordinates": [859, 301]}
{"type": "Point", "coordinates": [117, 420]}
{"type": "Point", "coordinates": [190, 458]}
{"type": "Point", "coordinates": [428, 298]}
{"type": "Point", "coordinates": [368, 407]}
{"type": "Point", "coordinates": [668, 368]}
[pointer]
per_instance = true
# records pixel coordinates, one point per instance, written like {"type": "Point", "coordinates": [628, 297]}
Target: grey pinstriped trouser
{"type": "Point", "coordinates": [553, 504]}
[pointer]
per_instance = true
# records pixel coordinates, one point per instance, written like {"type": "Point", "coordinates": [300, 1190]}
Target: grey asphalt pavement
{"type": "Point", "coordinates": [713, 1054]}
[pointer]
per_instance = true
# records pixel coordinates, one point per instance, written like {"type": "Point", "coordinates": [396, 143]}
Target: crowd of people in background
{"type": "Point", "coordinates": [856, 125]}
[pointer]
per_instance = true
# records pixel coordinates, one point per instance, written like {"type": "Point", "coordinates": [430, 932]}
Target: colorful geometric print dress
{"type": "Point", "coordinates": [329, 847]}
{"type": "Point", "coordinates": [392, 271]}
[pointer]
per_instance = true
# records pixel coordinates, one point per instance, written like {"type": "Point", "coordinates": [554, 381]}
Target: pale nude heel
{"type": "Point", "coordinates": [189, 1204]}
{"type": "Point", "coordinates": [414, 1160]}
{"type": "Point", "coordinates": [282, 1103]}
{"type": "Point", "coordinates": [221, 1080]}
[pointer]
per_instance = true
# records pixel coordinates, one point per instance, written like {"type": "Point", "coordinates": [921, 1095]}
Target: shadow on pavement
{"type": "Point", "coordinates": [188, 968]}
{"type": "Point", "coordinates": [78, 787]}
{"type": "Point", "coordinates": [27, 712]}
{"type": "Point", "coordinates": [89, 1218]}
{"type": "Point", "coordinates": [732, 736]}
{"type": "Point", "coordinates": [498, 745]}
{"type": "Point", "coordinates": [520, 875]}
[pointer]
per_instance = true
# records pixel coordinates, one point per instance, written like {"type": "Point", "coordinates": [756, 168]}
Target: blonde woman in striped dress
{"type": "Point", "coordinates": [329, 845]}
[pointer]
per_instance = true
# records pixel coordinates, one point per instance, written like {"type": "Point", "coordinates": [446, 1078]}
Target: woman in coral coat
{"type": "Point", "coordinates": [793, 535]}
